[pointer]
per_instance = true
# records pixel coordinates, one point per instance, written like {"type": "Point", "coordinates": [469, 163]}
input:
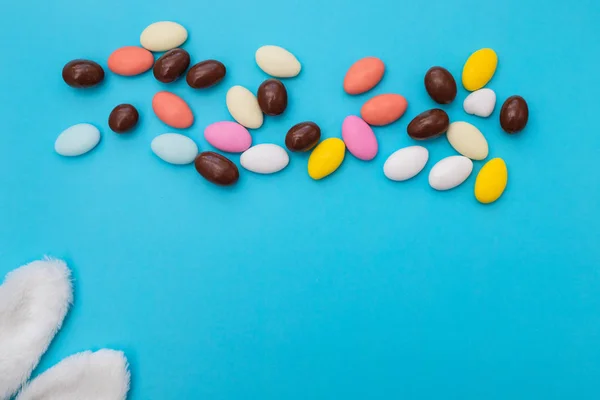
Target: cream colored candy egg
{"type": "Point", "coordinates": [243, 107]}
{"type": "Point", "coordinates": [163, 36]}
{"type": "Point", "coordinates": [277, 61]}
{"type": "Point", "coordinates": [467, 140]}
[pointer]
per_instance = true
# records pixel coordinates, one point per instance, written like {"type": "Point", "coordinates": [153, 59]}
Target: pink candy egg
{"type": "Point", "coordinates": [228, 136]}
{"type": "Point", "coordinates": [359, 138]}
{"type": "Point", "coordinates": [383, 109]}
{"type": "Point", "coordinates": [172, 110]}
{"type": "Point", "coordinates": [130, 61]}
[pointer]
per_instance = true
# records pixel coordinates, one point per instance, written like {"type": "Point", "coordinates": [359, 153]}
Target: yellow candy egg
{"type": "Point", "coordinates": [479, 69]}
{"type": "Point", "coordinates": [326, 158]}
{"type": "Point", "coordinates": [491, 181]}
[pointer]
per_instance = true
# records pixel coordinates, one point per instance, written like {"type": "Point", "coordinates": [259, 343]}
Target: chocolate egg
{"type": "Point", "coordinates": [206, 74]}
{"type": "Point", "coordinates": [429, 124]}
{"type": "Point", "coordinates": [216, 168]}
{"type": "Point", "coordinates": [272, 97]}
{"type": "Point", "coordinates": [82, 73]}
{"type": "Point", "coordinates": [123, 118]}
{"type": "Point", "coordinates": [171, 65]}
{"type": "Point", "coordinates": [440, 85]}
{"type": "Point", "coordinates": [514, 114]}
{"type": "Point", "coordinates": [303, 136]}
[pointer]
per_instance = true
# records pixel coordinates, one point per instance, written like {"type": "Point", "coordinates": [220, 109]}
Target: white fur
{"type": "Point", "coordinates": [102, 375]}
{"type": "Point", "coordinates": [34, 300]}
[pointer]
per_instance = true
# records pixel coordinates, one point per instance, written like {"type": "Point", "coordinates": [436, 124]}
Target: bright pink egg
{"type": "Point", "coordinates": [359, 138]}
{"type": "Point", "coordinates": [228, 136]}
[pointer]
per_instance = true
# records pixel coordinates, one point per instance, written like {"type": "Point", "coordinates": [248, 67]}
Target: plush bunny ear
{"type": "Point", "coordinates": [34, 300]}
{"type": "Point", "coordinates": [102, 375]}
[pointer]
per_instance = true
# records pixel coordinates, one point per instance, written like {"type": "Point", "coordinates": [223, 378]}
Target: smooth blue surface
{"type": "Point", "coordinates": [353, 287]}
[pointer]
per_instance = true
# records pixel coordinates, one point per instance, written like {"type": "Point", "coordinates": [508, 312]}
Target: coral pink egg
{"type": "Point", "coordinates": [130, 61]}
{"type": "Point", "coordinates": [364, 75]}
{"type": "Point", "coordinates": [383, 109]}
{"type": "Point", "coordinates": [359, 138]}
{"type": "Point", "coordinates": [172, 110]}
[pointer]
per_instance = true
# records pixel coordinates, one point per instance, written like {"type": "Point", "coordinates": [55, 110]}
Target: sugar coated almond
{"type": "Point", "coordinates": [491, 181]}
{"type": "Point", "coordinates": [163, 36]}
{"type": "Point", "coordinates": [172, 110]}
{"type": "Point", "coordinates": [383, 109]}
{"type": "Point", "coordinates": [130, 61]}
{"type": "Point", "coordinates": [479, 69]}
{"type": "Point", "coordinates": [326, 158]}
{"type": "Point", "coordinates": [364, 75]}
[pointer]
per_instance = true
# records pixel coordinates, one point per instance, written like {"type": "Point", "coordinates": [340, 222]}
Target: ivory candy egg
{"type": "Point", "coordinates": [383, 109]}
{"type": "Point", "coordinates": [364, 75]}
{"type": "Point", "coordinates": [172, 110]}
{"type": "Point", "coordinates": [277, 61]}
{"type": "Point", "coordinates": [450, 172]}
{"type": "Point", "coordinates": [228, 136]}
{"type": "Point", "coordinates": [77, 140]}
{"type": "Point", "coordinates": [163, 36]}
{"type": "Point", "coordinates": [480, 103]}
{"type": "Point", "coordinates": [130, 61]}
{"type": "Point", "coordinates": [491, 181]}
{"type": "Point", "coordinates": [479, 69]}
{"type": "Point", "coordinates": [467, 140]}
{"type": "Point", "coordinates": [359, 138]}
{"type": "Point", "coordinates": [243, 107]}
{"type": "Point", "coordinates": [326, 158]}
{"type": "Point", "coordinates": [405, 163]}
{"type": "Point", "coordinates": [174, 148]}
{"type": "Point", "coordinates": [265, 158]}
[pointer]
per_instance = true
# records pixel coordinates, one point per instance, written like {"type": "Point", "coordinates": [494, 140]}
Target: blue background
{"type": "Point", "coordinates": [354, 287]}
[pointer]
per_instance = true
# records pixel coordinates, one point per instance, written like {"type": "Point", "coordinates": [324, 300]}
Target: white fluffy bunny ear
{"type": "Point", "coordinates": [34, 300]}
{"type": "Point", "coordinates": [102, 375]}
